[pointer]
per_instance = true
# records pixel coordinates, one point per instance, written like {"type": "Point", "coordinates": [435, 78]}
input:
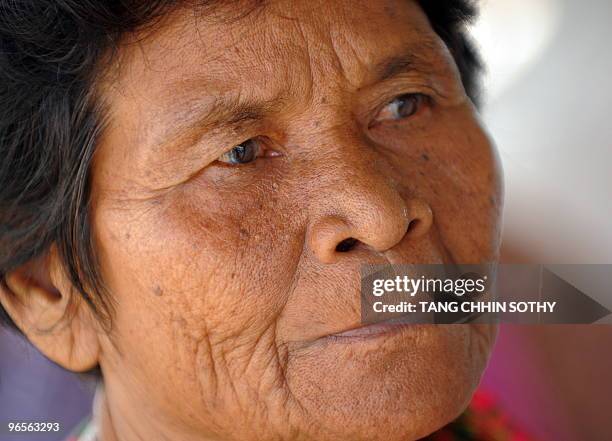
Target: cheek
{"type": "Point", "coordinates": [197, 240]}
{"type": "Point", "coordinates": [190, 272]}
{"type": "Point", "coordinates": [435, 369]}
{"type": "Point", "coordinates": [453, 166]}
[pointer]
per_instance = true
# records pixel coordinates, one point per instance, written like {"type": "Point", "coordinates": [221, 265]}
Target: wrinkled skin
{"type": "Point", "coordinates": [227, 282]}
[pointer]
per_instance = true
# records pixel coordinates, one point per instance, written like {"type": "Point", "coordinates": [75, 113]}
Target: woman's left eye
{"type": "Point", "coordinates": [242, 153]}
{"type": "Point", "coordinates": [402, 107]}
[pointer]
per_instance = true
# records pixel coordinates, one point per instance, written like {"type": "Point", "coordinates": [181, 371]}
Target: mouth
{"type": "Point", "coordinates": [374, 330]}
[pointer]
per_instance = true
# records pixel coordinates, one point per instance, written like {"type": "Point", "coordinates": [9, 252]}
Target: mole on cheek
{"type": "Point", "coordinates": [425, 157]}
{"type": "Point", "coordinates": [158, 291]}
{"type": "Point", "coordinates": [390, 11]}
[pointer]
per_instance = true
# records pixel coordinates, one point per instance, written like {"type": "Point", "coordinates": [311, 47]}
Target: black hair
{"type": "Point", "coordinates": [51, 53]}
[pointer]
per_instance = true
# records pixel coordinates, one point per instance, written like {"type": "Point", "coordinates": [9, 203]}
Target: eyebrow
{"type": "Point", "coordinates": [227, 111]}
{"type": "Point", "coordinates": [409, 61]}
{"type": "Point", "coordinates": [233, 110]}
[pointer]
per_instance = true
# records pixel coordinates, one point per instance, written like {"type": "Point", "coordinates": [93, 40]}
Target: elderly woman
{"type": "Point", "coordinates": [189, 189]}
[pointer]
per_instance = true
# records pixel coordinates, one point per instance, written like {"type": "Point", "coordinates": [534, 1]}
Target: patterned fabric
{"type": "Point", "coordinates": [482, 421]}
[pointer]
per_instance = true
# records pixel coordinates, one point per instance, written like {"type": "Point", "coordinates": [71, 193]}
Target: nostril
{"type": "Point", "coordinates": [346, 245]}
{"type": "Point", "coordinates": [413, 225]}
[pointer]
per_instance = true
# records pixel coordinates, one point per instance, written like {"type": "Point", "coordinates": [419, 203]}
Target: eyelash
{"type": "Point", "coordinates": [236, 154]}
{"type": "Point", "coordinates": [240, 151]}
{"type": "Point", "coordinates": [418, 100]}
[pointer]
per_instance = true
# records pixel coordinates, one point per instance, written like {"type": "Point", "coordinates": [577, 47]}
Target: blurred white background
{"type": "Point", "coordinates": [549, 95]}
{"type": "Point", "coordinates": [548, 101]}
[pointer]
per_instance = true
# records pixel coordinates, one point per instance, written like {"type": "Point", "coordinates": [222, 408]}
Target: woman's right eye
{"type": "Point", "coordinates": [242, 153]}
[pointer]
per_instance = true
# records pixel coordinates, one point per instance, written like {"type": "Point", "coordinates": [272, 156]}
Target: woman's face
{"type": "Point", "coordinates": [241, 150]}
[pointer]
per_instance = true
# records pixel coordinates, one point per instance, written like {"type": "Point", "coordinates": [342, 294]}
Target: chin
{"type": "Point", "coordinates": [400, 386]}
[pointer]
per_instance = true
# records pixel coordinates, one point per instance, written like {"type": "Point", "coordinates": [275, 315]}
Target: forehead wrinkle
{"type": "Point", "coordinates": [352, 61]}
{"type": "Point", "coordinates": [324, 57]}
{"type": "Point", "coordinates": [311, 46]}
{"type": "Point", "coordinates": [339, 54]}
{"type": "Point", "coordinates": [228, 12]}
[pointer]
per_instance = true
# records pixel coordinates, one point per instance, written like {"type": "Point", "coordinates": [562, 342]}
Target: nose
{"type": "Point", "coordinates": [364, 207]}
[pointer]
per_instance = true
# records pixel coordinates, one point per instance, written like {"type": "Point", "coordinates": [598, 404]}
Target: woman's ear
{"type": "Point", "coordinates": [41, 300]}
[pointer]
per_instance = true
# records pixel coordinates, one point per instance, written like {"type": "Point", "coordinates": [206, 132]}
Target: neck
{"type": "Point", "coordinates": [126, 423]}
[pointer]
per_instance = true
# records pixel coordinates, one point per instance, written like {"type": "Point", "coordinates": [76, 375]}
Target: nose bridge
{"type": "Point", "coordinates": [358, 170]}
{"type": "Point", "coordinates": [356, 197]}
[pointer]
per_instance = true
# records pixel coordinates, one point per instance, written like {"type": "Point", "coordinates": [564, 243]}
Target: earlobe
{"type": "Point", "coordinates": [43, 303]}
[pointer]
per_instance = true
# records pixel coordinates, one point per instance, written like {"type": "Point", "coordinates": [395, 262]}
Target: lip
{"type": "Point", "coordinates": [386, 327]}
